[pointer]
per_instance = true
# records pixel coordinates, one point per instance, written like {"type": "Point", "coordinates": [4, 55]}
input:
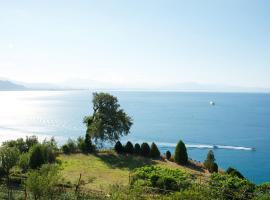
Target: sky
{"type": "Point", "coordinates": [136, 43]}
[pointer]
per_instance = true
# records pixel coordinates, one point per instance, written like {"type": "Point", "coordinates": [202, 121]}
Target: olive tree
{"type": "Point", "coordinates": [108, 122]}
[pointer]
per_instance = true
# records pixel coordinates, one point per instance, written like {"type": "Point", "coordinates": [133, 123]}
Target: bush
{"type": "Point", "coordinates": [145, 149]}
{"type": "Point", "coordinates": [118, 147]}
{"type": "Point", "coordinates": [226, 186]}
{"type": "Point", "coordinates": [24, 162]}
{"type": "Point", "coordinates": [8, 158]}
{"type": "Point", "coordinates": [168, 155]}
{"type": "Point", "coordinates": [213, 168]}
{"type": "Point", "coordinates": [70, 147]}
{"type": "Point", "coordinates": [180, 155]}
{"type": "Point", "coordinates": [234, 172]}
{"type": "Point", "coordinates": [137, 149]}
{"type": "Point", "coordinates": [43, 183]}
{"type": "Point", "coordinates": [89, 147]}
{"type": "Point", "coordinates": [154, 152]}
{"type": "Point", "coordinates": [80, 145]}
{"type": "Point", "coordinates": [41, 154]}
{"type": "Point", "coordinates": [129, 148]}
{"type": "Point", "coordinates": [209, 163]}
{"type": "Point", "coordinates": [163, 178]}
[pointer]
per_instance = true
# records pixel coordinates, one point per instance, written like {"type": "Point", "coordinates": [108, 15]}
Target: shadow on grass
{"type": "Point", "coordinates": [124, 161]}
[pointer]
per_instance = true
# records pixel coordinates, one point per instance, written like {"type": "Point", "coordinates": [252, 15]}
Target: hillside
{"type": "Point", "coordinates": [103, 169]}
{"type": "Point", "coordinates": [7, 85]}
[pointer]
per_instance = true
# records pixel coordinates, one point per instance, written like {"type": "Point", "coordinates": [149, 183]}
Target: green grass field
{"type": "Point", "coordinates": [103, 169]}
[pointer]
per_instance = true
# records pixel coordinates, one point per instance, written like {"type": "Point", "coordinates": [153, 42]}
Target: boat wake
{"type": "Point", "coordinates": [208, 146]}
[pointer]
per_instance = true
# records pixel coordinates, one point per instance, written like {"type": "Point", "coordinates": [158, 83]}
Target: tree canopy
{"type": "Point", "coordinates": [109, 122]}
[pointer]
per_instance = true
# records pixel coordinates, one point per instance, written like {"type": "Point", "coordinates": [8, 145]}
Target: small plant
{"type": "Point", "coordinates": [118, 147]}
{"type": "Point", "coordinates": [168, 155]}
{"type": "Point", "coordinates": [145, 149]}
{"type": "Point", "coordinates": [154, 152]}
{"type": "Point", "coordinates": [129, 148]}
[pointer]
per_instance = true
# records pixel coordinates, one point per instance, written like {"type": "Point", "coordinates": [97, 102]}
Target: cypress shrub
{"type": "Point", "coordinates": [213, 168]}
{"type": "Point", "coordinates": [180, 155]}
{"type": "Point", "coordinates": [209, 163]}
{"type": "Point", "coordinates": [137, 149]}
{"type": "Point", "coordinates": [129, 148]}
{"type": "Point", "coordinates": [89, 147]}
{"type": "Point", "coordinates": [168, 155]}
{"type": "Point", "coordinates": [118, 147]}
{"type": "Point", "coordinates": [154, 152]}
{"type": "Point", "coordinates": [145, 149]}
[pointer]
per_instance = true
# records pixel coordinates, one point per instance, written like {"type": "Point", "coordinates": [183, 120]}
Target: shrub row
{"type": "Point", "coordinates": [144, 149]}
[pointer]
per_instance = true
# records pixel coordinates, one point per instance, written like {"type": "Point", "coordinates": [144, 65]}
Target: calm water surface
{"type": "Point", "coordinates": [237, 123]}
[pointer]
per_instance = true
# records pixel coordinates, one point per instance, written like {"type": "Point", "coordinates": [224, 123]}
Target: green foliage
{"type": "Point", "coordinates": [168, 155]}
{"type": "Point", "coordinates": [154, 152]}
{"type": "Point", "coordinates": [108, 122]}
{"type": "Point", "coordinates": [145, 149]}
{"type": "Point", "coordinates": [31, 141]}
{"type": "Point", "coordinates": [227, 186]}
{"type": "Point", "coordinates": [119, 147]}
{"type": "Point", "coordinates": [41, 154]}
{"type": "Point", "coordinates": [89, 147]}
{"type": "Point", "coordinates": [180, 155]}
{"type": "Point", "coordinates": [137, 149]}
{"type": "Point", "coordinates": [129, 148]}
{"type": "Point", "coordinates": [163, 178]}
{"type": "Point", "coordinates": [234, 172]}
{"type": "Point", "coordinates": [70, 147]}
{"type": "Point", "coordinates": [8, 158]}
{"type": "Point", "coordinates": [209, 163]}
{"type": "Point", "coordinates": [24, 162]}
{"type": "Point", "coordinates": [262, 192]}
{"type": "Point", "coordinates": [43, 183]}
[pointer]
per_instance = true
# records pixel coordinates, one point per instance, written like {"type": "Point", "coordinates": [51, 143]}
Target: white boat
{"type": "Point", "coordinates": [212, 103]}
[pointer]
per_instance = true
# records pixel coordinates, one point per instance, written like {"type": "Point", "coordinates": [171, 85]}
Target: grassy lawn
{"type": "Point", "coordinates": [103, 169]}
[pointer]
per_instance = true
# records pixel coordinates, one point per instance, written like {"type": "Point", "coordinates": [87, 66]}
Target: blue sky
{"type": "Point", "coordinates": [136, 43]}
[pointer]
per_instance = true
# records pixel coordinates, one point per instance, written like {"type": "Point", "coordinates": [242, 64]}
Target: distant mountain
{"type": "Point", "coordinates": [8, 85]}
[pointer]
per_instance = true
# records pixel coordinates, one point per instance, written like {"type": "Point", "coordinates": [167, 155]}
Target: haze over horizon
{"type": "Point", "coordinates": [138, 44]}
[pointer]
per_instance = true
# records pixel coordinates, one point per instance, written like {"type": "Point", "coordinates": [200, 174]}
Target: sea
{"type": "Point", "coordinates": [236, 128]}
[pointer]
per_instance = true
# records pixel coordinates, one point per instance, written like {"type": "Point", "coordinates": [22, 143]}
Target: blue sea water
{"type": "Point", "coordinates": [237, 123]}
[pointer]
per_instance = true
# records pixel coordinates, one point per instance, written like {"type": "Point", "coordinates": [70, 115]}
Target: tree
{"type": "Point", "coordinates": [209, 163]}
{"type": "Point", "coordinates": [119, 147]}
{"type": "Point", "coordinates": [168, 155]}
{"type": "Point", "coordinates": [145, 149]}
{"type": "Point", "coordinates": [129, 148]}
{"type": "Point", "coordinates": [180, 155]}
{"type": "Point", "coordinates": [137, 149]}
{"type": "Point", "coordinates": [234, 172]}
{"type": "Point", "coordinates": [108, 122]}
{"type": "Point", "coordinates": [154, 152]}
{"type": "Point", "coordinates": [8, 158]}
{"type": "Point", "coordinates": [89, 147]}
{"type": "Point", "coordinates": [36, 158]}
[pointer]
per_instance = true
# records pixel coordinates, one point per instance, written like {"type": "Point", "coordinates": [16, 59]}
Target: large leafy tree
{"type": "Point", "coordinates": [109, 122]}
